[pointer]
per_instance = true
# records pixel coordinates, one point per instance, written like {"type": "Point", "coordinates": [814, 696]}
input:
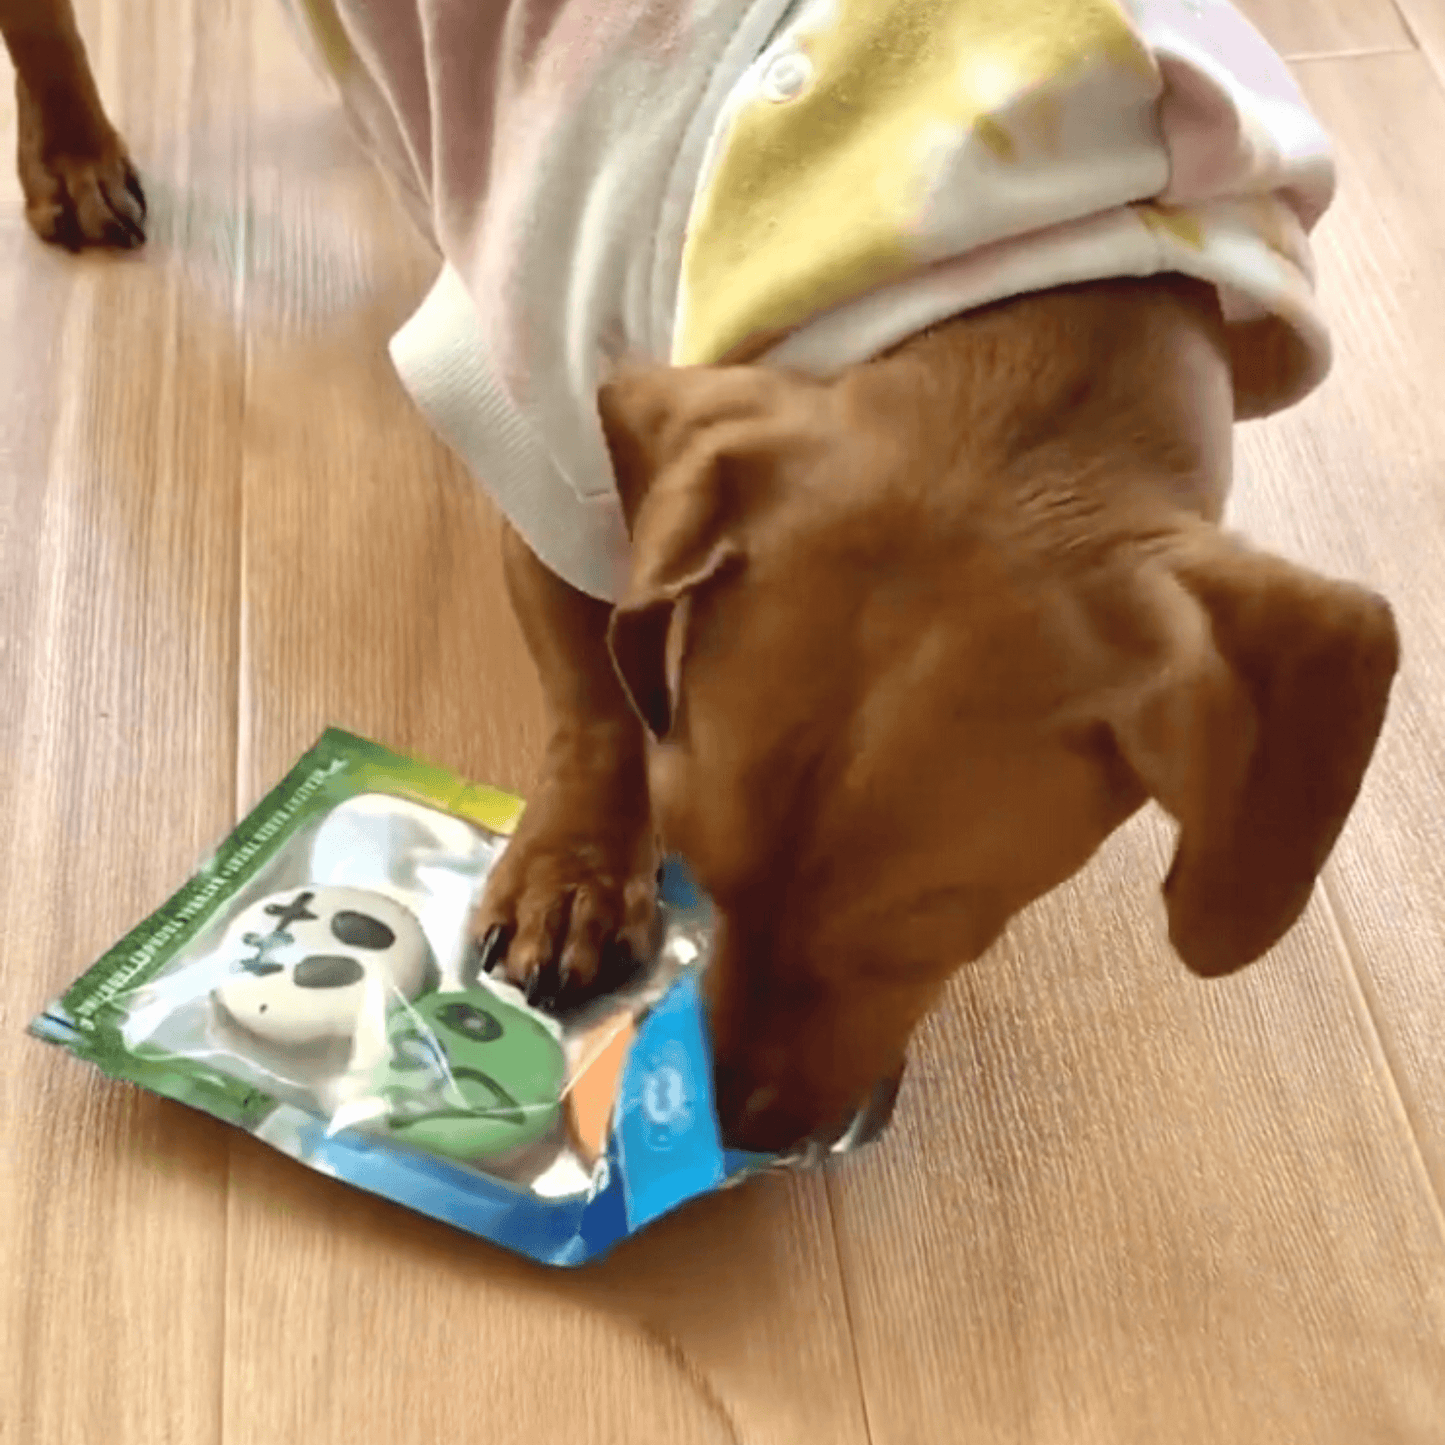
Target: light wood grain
{"type": "Point", "coordinates": [1300, 28]}
{"type": "Point", "coordinates": [1117, 1206]}
{"type": "Point", "coordinates": [119, 493]}
{"type": "Point", "coordinates": [1353, 480]}
{"type": "Point", "coordinates": [1123, 1206]}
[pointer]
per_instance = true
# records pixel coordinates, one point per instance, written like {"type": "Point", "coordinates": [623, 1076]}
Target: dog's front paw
{"type": "Point", "coordinates": [570, 908]}
{"type": "Point", "coordinates": [81, 188]}
{"type": "Point", "coordinates": [77, 201]}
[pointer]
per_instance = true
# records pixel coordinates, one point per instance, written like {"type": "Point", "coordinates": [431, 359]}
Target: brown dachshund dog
{"type": "Point", "coordinates": [908, 646]}
{"type": "Point", "coordinates": [79, 184]}
{"type": "Point", "coordinates": [899, 651]}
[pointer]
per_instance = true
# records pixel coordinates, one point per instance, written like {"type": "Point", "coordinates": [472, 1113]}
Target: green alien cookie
{"type": "Point", "coordinates": [469, 1076]}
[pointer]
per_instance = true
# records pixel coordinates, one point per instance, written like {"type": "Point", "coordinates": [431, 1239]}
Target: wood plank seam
{"type": "Point", "coordinates": [1406, 23]}
{"type": "Point", "coordinates": [671, 1349]}
{"type": "Point", "coordinates": [1363, 52]}
{"type": "Point", "coordinates": [847, 1293]}
{"type": "Point", "coordinates": [1379, 1042]}
{"type": "Point", "coordinates": [240, 692]}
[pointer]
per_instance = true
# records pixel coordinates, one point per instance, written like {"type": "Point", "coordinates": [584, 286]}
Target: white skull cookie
{"type": "Point", "coordinates": [317, 965]}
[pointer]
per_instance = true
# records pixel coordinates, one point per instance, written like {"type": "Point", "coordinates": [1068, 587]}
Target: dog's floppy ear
{"type": "Point", "coordinates": [678, 438]}
{"type": "Point", "coordinates": [1254, 734]}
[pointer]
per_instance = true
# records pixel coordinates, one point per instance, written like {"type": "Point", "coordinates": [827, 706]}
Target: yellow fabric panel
{"type": "Point", "coordinates": [330, 36]}
{"type": "Point", "coordinates": [812, 200]}
{"type": "Point", "coordinates": [1177, 221]}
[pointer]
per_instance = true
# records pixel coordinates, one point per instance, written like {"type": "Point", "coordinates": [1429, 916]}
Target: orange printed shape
{"type": "Point", "coordinates": [596, 1078]}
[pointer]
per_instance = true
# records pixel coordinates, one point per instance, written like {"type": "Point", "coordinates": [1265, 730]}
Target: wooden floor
{"type": "Point", "coordinates": [1117, 1205]}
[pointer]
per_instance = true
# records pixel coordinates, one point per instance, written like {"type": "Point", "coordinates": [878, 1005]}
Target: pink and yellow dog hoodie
{"type": "Point", "coordinates": [678, 180]}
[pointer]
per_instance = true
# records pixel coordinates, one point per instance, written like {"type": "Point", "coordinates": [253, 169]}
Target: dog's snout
{"type": "Point", "coordinates": [741, 1119]}
{"type": "Point", "coordinates": [768, 1117]}
{"type": "Point", "coordinates": [752, 1113]}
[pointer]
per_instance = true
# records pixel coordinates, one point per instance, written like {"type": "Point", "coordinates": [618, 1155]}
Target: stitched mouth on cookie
{"type": "Point", "coordinates": [412, 1108]}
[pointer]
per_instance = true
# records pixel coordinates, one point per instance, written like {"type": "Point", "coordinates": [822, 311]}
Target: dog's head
{"type": "Point", "coordinates": [900, 686]}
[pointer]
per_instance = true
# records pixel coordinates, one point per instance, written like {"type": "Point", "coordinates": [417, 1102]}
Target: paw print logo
{"type": "Point", "coordinates": [666, 1098]}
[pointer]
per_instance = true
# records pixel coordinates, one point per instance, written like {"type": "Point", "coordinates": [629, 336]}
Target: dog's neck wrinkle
{"type": "Point", "coordinates": [1082, 520]}
{"type": "Point", "coordinates": [1000, 400]}
{"type": "Point", "coordinates": [1062, 408]}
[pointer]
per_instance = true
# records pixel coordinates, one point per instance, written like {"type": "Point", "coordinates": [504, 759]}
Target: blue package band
{"type": "Point", "coordinates": [667, 1134]}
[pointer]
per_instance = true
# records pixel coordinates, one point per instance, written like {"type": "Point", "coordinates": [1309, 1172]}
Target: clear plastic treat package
{"type": "Point", "coordinates": [313, 984]}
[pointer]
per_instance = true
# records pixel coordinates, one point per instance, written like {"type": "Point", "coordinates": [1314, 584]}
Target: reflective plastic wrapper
{"type": "Point", "coordinates": [313, 984]}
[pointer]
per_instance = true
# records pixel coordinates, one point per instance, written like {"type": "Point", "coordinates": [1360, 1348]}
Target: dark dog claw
{"type": "Point", "coordinates": [137, 191]}
{"type": "Point", "coordinates": [493, 948]}
{"type": "Point", "coordinates": [544, 985]}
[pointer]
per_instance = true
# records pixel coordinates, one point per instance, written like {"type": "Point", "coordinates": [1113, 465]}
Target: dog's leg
{"type": "Point", "coordinates": [572, 900]}
{"type": "Point", "coordinates": [79, 184]}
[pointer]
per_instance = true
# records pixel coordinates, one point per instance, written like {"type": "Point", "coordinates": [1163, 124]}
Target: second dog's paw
{"type": "Point", "coordinates": [76, 201]}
